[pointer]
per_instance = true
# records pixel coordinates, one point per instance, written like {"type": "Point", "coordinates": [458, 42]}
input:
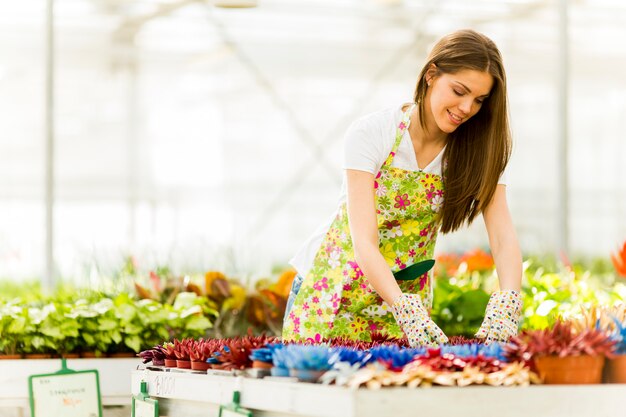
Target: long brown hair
{"type": "Point", "coordinates": [478, 151]}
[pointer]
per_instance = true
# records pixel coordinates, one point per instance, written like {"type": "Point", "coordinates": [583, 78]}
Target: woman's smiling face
{"type": "Point", "coordinates": [455, 98]}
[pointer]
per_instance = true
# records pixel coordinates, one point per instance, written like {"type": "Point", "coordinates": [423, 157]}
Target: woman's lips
{"type": "Point", "coordinates": [454, 118]}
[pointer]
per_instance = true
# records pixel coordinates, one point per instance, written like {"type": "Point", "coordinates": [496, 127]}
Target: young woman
{"type": "Point", "coordinates": [411, 171]}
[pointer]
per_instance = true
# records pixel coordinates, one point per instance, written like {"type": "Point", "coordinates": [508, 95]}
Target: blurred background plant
{"type": "Point", "coordinates": [158, 305]}
{"type": "Point", "coordinates": [552, 288]}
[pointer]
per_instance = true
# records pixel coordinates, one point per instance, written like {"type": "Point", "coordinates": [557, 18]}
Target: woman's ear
{"type": "Point", "coordinates": [431, 73]}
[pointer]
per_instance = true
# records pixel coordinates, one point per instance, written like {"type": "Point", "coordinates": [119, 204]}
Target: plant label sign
{"type": "Point", "coordinates": [225, 412]}
{"type": "Point", "coordinates": [143, 405]}
{"type": "Point", "coordinates": [233, 409]}
{"type": "Point", "coordinates": [66, 393]}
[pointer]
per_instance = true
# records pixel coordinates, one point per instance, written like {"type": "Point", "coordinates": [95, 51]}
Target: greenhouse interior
{"type": "Point", "coordinates": [216, 208]}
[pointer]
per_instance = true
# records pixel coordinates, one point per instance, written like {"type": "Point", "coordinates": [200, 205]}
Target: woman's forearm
{"type": "Point", "coordinates": [377, 271]}
{"type": "Point", "coordinates": [508, 260]}
{"type": "Point", "coordinates": [503, 241]}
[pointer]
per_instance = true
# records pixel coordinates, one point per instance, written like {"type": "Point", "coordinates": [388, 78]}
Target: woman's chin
{"type": "Point", "coordinates": [447, 128]}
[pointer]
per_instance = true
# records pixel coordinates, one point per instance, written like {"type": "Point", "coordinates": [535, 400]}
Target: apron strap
{"type": "Point", "coordinates": [402, 127]}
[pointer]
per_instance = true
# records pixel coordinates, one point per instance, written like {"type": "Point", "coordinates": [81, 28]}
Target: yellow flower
{"type": "Point", "coordinates": [334, 275]}
{"type": "Point", "coordinates": [410, 227]}
{"type": "Point", "coordinates": [429, 180]}
{"type": "Point", "coordinates": [333, 234]}
{"type": "Point", "coordinates": [389, 253]}
{"type": "Point", "coordinates": [358, 325]}
{"type": "Point", "coordinates": [236, 300]}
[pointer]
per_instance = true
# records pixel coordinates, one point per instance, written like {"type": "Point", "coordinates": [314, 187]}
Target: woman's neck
{"type": "Point", "coordinates": [433, 136]}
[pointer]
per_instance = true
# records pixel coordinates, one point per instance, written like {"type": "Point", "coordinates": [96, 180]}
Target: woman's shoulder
{"type": "Point", "coordinates": [379, 119]}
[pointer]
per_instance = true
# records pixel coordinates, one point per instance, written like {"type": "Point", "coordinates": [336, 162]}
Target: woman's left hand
{"type": "Point", "coordinates": [502, 317]}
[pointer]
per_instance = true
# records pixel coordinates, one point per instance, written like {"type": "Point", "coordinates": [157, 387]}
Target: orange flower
{"type": "Point", "coordinates": [446, 263]}
{"type": "Point", "coordinates": [619, 260]}
{"type": "Point", "coordinates": [283, 286]}
{"type": "Point", "coordinates": [477, 260]}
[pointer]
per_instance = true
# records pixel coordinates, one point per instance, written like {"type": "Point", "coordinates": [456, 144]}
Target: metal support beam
{"type": "Point", "coordinates": [48, 273]}
{"type": "Point", "coordinates": [318, 148]}
{"type": "Point", "coordinates": [563, 148]}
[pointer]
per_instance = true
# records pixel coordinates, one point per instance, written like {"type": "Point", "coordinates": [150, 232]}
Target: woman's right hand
{"type": "Point", "coordinates": [414, 320]}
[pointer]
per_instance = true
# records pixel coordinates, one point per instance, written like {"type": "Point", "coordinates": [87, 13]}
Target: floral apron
{"type": "Point", "coordinates": [335, 299]}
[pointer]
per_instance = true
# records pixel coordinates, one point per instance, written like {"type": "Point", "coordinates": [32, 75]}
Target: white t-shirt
{"type": "Point", "coordinates": [367, 143]}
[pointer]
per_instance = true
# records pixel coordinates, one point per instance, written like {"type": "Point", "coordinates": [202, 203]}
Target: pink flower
{"type": "Point", "coordinates": [318, 338]}
{"type": "Point", "coordinates": [423, 281]}
{"type": "Point", "coordinates": [346, 287]}
{"type": "Point", "coordinates": [423, 232]}
{"type": "Point", "coordinates": [296, 321]}
{"type": "Point", "coordinates": [319, 311]}
{"type": "Point", "coordinates": [321, 284]}
{"type": "Point", "coordinates": [358, 274]}
{"type": "Point", "coordinates": [402, 126]}
{"type": "Point", "coordinates": [373, 326]}
{"type": "Point", "coordinates": [402, 201]}
{"type": "Point", "coordinates": [412, 252]}
{"type": "Point", "coordinates": [316, 300]}
{"type": "Point", "coordinates": [305, 306]}
{"type": "Point", "coordinates": [334, 299]}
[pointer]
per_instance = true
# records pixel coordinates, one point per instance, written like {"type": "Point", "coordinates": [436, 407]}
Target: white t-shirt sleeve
{"type": "Point", "coordinates": [363, 147]}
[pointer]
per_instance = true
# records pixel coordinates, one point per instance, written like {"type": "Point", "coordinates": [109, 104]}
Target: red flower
{"type": "Point", "coordinates": [619, 261]}
{"type": "Point", "coordinates": [402, 201]}
{"type": "Point", "coordinates": [391, 224]}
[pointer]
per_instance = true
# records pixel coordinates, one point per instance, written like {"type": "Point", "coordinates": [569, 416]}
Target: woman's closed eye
{"type": "Point", "coordinates": [461, 94]}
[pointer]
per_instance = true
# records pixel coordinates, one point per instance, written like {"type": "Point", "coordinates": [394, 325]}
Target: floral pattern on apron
{"type": "Point", "coordinates": [335, 299]}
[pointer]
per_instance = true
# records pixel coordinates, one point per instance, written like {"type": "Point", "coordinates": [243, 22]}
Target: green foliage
{"type": "Point", "coordinates": [99, 323]}
{"type": "Point", "coordinates": [459, 305]}
{"type": "Point", "coordinates": [549, 290]}
{"type": "Point", "coordinates": [549, 294]}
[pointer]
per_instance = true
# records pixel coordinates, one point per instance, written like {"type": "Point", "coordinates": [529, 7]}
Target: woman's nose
{"type": "Point", "coordinates": [466, 106]}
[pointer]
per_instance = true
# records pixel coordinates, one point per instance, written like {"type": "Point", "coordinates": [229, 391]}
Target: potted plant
{"type": "Point", "coordinates": [307, 362]}
{"type": "Point", "coordinates": [170, 355]}
{"type": "Point", "coordinates": [235, 353]}
{"type": "Point", "coordinates": [98, 326]}
{"type": "Point", "coordinates": [39, 337]}
{"type": "Point", "coordinates": [611, 320]}
{"type": "Point", "coordinates": [199, 352]}
{"type": "Point", "coordinates": [616, 366]}
{"type": "Point", "coordinates": [562, 356]}
{"type": "Point", "coordinates": [12, 325]}
{"type": "Point", "coordinates": [262, 358]}
{"type": "Point", "coordinates": [181, 350]}
{"type": "Point", "coordinates": [156, 355]}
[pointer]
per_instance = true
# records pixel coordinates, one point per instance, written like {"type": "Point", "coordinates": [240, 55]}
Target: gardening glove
{"type": "Point", "coordinates": [413, 319]}
{"type": "Point", "coordinates": [502, 316]}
